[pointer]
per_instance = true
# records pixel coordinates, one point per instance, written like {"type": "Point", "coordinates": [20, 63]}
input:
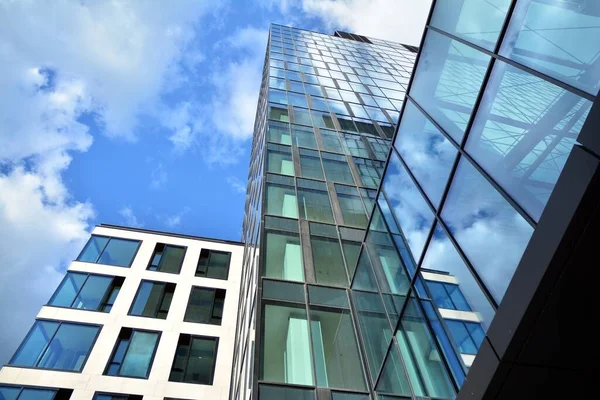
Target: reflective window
{"type": "Point", "coordinates": [281, 200]}
{"type": "Point", "coordinates": [153, 299]}
{"type": "Point", "coordinates": [351, 252]}
{"type": "Point", "coordinates": [490, 231]}
{"type": "Point", "coordinates": [87, 291]}
{"type": "Point", "coordinates": [106, 396]}
{"type": "Point", "coordinates": [524, 132]}
{"type": "Point", "coordinates": [336, 168]}
{"type": "Point", "coordinates": [412, 212]}
{"type": "Point", "coordinates": [310, 164]}
{"type": "Point", "coordinates": [353, 211]}
{"type": "Point", "coordinates": [448, 295]}
{"type": "Point", "coordinates": [477, 21]}
{"type": "Point", "coordinates": [279, 159]}
{"type": "Point", "coordinates": [331, 141]}
{"type": "Point", "coordinates": [335, 351]}
{"type": "Point", "coordinates": [426, 370]}
{"type": "Point", "coordinates": [370, 171]}
{"type": "Point", "coordinates": [278, 113]}
{"type": "Point", "coordinates": [33, 393]}
{"type": "Point", "coordinates": [354, 146]}
{"type": "Point", "coordinates": [268, 392]}
{"type": "Point", "coordinates": [468, 336]}
{"type": "Point", "coordinates": [315, 205]}
{"type": "Point", "coordinates": [56, 345]}
{"type": "Point", "coordinates": [303, 137]}
{"type": "Point", "coordinates": [109, 251]}
{"type": "Point", "coordinates": [447, 81]}
{"type": "Point", "coordinates": [277, 96]}
{"type": "Point", "coordinates": [327, 257]}
{"type": "Point", "coordinates": [213, 264]}
{"type": "Point", "coordinates": [133, 354]}
{"type": "Point", "coordinates": [205, 306]}
{"type": "Point", "coordinates": [279, 133]}
{"type": "Point", "coordinates": [167, 258]}
{"type": "Point", "coordinates": [288, 356]}
{"type": "Point", "coordinates": [297, 99]}
{"type": "Point", "coordinates": [283, 256]}
{"type": "Point", "coordinates": [558, 38]}
{"type": "Point", "coordinates": [374, 327]}
{"type": "Point", "coordinates": [302, 116]}
{"type": "Point", "coordinates": [393, 376]}
{"type": "Point", "coordinates": [195, 360]}
{"type": "Point", "coordinates": [428, 154]}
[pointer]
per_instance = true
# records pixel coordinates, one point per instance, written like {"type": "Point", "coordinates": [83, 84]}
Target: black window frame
{"type": "Point", "coordinates": [191, 338]}
{"type": "Point", "coordinates": [104, 248]}
{"type": "Point", "coordinates": [210, 252]}
{"type": "Point", "coordinates": [59, 393]}
{"type": "Point", "coordinates": [43, 351]}
{"type": "Point", "coordinates": [165, 286]}
{"type": "Point", "coordinates": [212, 309]}
{"type": "Point", "coordinates": [165, 246]}
{"type": "Point", "coordinates": [105, 299]}
{"type": "Point", "coordinates": [121, 395]}
{"type": "Point", "coordinates": [120, 337]}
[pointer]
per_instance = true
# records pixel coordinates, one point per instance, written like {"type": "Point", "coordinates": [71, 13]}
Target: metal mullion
{"type": "Point", "coordinates": [360, 342]}
{"type": "Point", "coordinates": [43, 352]}
{"type": "Point", "coordinates": [438, 345]}
{"type": "Point", "coordinates": [515, 64]}
{"type": "Point", "coordinates": [103, 248]}
{"type": "Point", "coordinates": [310, 338]}
{"type": "Point", "coordinates": [80, 289]}
{"type": "Point", "coordinates": [463, 153]}
{"type": "Point", "coordinates": [187, 358]}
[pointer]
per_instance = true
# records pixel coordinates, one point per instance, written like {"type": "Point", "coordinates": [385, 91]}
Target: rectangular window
{"type": "Point", "coordinates": [310, 164]}
{"type": "Point", "coordinates": [133, 354]}
{"type": "Point", "coordinates": [205, 306]}
{"type": "Point", "coordinates": [336, 168]}
{"type": "Point", "coordinates": [56, 345]}
{"type": "Point", "coordinates": [283, 255]}
{"type": "Point", "coordinates": [87, 291]}
{"type": "Point", "coordinates": [279, 133]}
{"type": "Point", "coordinates": [109, 251]}
{"type": "Point", "coordinates": [468, 336]}
{"type": "Point", "coordinates": [331, 141]}
{"type": "Point", "coordinates": [195, 360]}
{"type": "Point", "coordinates": [370, 171]}
{"type": "Point", "coordinates": [351, 205]}
{"type": "Point", "coordinates": [314, 203]}
{"type": "Point", "coordinates": [354, 146]}
{"type": "Point", "coordinates": [167, 258]}
{"type": "Point", "coordinates": [33, 393]}
{"type": "Point", "coordinates": [279, 159]}
{"type": "Point", "coordinates": [447, 295]}
{"type": "Point", "coordinates": [153, 299]}
{"type": "Point", "coordinates": [303, 137]}
{"type": "Point", "coordinates": [327, 255]}
{"type": "Point", "coordinates": [213, 264]}
{"type": "Point", "coordinates": [281, 200]}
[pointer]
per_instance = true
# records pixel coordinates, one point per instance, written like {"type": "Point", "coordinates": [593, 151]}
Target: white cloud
{"type": "Point", "coordinates": [158, 177]}
{"type": "Point", "coordinates": [400, 21]}
{"type": "Point", "coordinates": [237, 185]}
{"type": "Point", "coordinates": [61, 60]}
{"type": "Point", "coordinates": [173, 221]}
{"type": "Point", "coordinates": [237, 84]}
{"type": "Point", "coordinates": [129, 217]}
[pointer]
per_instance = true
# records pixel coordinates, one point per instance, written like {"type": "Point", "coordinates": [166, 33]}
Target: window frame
{"type": "Point", "coordinates": [160, 263]}
{"type": "Point", "coordinates": [105, 298]}
{"type": "Point", "coordinates": [128, 396]}
{"type": "Point", "coordinates": [56, 390]}
{"type": "Point", "coordinates": [106, 245]}
{"type": "Point", "coordinates": [116, 346]}
{"type": "Point", "coordinates": [210, 251]}
{"type": "Point", "coordinates": [187, 358]}
{"type": "Point", "coordinates": [162, 298]}
{"type": "Point", "coordinates": [212, 307]}
{"type": "Point", "coordinates": [43, 351]}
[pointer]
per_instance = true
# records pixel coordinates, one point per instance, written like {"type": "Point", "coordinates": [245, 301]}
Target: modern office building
{"type": "Point", "coordinates": [327, 112]}
{"type": "Point", "coordinates": [139, 314]}
{"type": "Point", "coordinates": [471, 275]}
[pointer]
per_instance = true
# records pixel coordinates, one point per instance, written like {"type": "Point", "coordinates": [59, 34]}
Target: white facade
{"type": "Point", "coordinates": [91, 379]}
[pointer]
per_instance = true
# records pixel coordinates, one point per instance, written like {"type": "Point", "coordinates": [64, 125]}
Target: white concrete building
{"type": "Point", "coordinates": [140, 314]}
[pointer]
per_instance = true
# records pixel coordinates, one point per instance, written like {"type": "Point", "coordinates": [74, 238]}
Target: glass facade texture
{"type": "Point", "coordinates": [472, 145]}
{"type": "Point", "coordinates": [327, 112]}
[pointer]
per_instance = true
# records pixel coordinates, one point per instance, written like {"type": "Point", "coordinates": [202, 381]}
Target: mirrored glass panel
{"type": "Point", "coordinates": [489, 230]}
{"type": "Point", "coordinates": [428, 154]}
{"type": "Point", "coordinates": [523, 133]}
{"type": "Point", "coordinates": [558, 38]}
{"type": "Point", "coordinates": [447, 81]}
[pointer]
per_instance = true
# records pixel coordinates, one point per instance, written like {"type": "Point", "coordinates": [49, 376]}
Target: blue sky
{"type": "Point", "coordinates": [135, 113]}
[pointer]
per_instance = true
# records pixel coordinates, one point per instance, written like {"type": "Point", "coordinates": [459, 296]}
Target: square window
{"type": "Point", "coordinates": [167, 258]}
{"type": "Point", "coordinates": [213, 264]}
{"type": "Point", "coordinates": [205, 306]}
{"type": "Point", "coordinates": [195, 359]}
{"type": "Point", "coordinates": [133, 353]}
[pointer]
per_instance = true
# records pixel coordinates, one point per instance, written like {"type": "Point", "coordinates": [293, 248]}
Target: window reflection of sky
{"type": "Point", "coordinates": [490, 231]}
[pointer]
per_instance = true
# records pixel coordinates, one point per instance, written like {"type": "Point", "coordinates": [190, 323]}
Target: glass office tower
{"type": "Point", "coordinates": [449, 268]}
{"type": "Point", "coordinates": [327, 112]}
